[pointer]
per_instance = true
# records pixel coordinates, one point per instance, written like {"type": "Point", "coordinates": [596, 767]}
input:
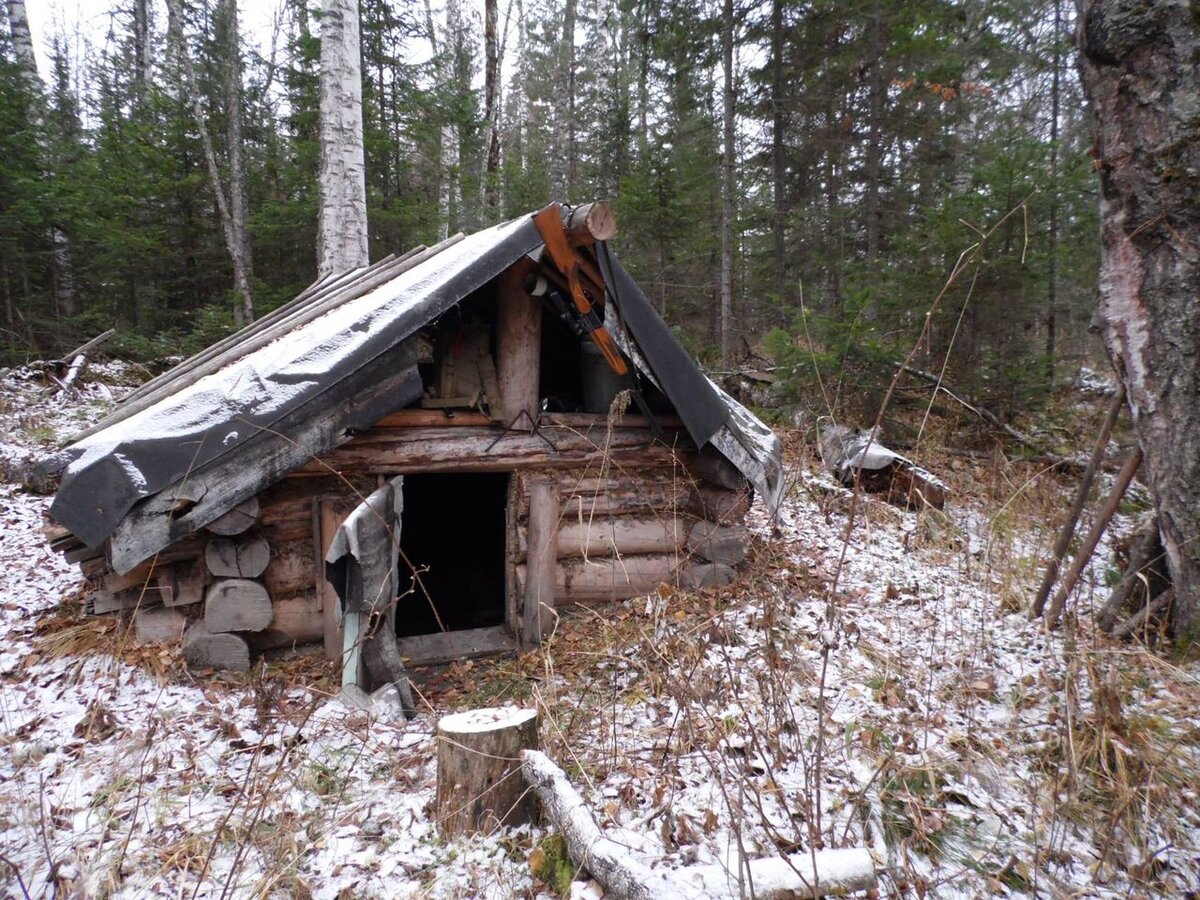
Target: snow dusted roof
{"type": "Point", "coordinates": [107, 472]}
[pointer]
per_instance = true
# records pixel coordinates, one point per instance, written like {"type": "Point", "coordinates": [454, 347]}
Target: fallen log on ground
{"type": "Point", "coordinates": [852, 456]}
{"type": "Point", "coordinates": [623, 877]}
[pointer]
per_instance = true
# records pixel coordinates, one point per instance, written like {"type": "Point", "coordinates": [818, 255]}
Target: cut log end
{"type": "Point", "coordinates": [246, 557]}
{"type": "Point", "coordinates": [204, 649]}
{"type": "Point", "coordinates": [237, 604]}
{"type": "Point", "coordinates": [241, 518]}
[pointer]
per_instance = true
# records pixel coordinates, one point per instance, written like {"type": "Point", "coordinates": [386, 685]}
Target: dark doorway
{"type": "Point", "coordinates": [452, 526]}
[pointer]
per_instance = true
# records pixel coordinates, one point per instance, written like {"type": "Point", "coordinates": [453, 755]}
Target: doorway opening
{"type": "Point", "coordinates": [452, 532]}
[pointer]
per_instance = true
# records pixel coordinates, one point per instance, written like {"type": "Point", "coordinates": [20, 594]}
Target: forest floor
{"type": "Point", "coordinates": [885, 690]}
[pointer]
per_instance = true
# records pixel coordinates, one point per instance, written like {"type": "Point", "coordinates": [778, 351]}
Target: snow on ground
{"type": "Point", "coordinates": [912, 709]}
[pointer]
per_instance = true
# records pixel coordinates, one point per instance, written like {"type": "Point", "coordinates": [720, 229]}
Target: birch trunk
{"type": "Point", "coordinates": [18, 25]}
{"type": "Point", "coordinates": [233, 243]}
{"type": "Point", "coordinates": [728, 209]}
{"type": "Point", "coordinates": [491, 107]}
{"type": "Point", "coordinates": [342, 221]}
{"type": "Point", "coordinates": [1136, 66]}
{"type": "Point", "coordinates": [243, 261]}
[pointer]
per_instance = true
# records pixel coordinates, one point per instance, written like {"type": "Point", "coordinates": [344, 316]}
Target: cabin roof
{"type": "Point", "coordinates": [309, 357]}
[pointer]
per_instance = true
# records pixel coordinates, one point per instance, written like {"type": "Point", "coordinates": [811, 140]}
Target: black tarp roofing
{"type": "Point", "coordinates": [111, 470]}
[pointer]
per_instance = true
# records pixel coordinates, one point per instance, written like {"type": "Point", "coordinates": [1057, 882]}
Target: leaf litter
{"type": "Point", "coordinates": [915, 711]}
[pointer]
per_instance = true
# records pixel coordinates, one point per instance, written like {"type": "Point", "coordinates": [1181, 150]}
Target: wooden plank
{"type": "Point", "coordinates": [512, 601]}
{"type": "Point", "coordinates": [102, 602]}
{"type": "Point", "coordinates": [538, 615]}
{"type": "Point", "coordinates": [329, 516]}
{"type": "Point", "coordinates": [431, 649]}
{"type": "Point", "coordinates": [367, 395]}
{"type": "Point", "coordinates": [182, 583]}
{"type": "Point", "coordinates": [425, 418]}
{"type": "Point", "coordinates": [518, 347]}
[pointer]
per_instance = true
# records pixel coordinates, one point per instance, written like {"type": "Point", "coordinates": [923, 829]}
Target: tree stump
{"type": "Point", "coordinates": [479, 784]}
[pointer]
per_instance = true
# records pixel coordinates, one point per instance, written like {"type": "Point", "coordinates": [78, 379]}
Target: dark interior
{"type": "Point", "coordinates": [452, 527]}
{"type": "Point", "coordinates": [559, 382]}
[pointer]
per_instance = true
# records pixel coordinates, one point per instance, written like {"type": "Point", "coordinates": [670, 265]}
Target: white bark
{"type": "Point", "coordinates": [232, 230]}
{"type": "Point", "coordinates": [728, 201]}
{"type": "Point", "coordinates": [18, 24]}
{"type": "Point", "coordinates": [623, 877]}
{"type": "Point", "coordinates": [238, 204]}
{"type": "Point", "coordinates": [342, 226]}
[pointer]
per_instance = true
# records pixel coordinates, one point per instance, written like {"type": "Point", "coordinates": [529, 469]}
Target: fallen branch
{"type": "Point", "coordinates": [987, 415]}
{"type": "Point", "coordinates": [76, 361]}
{"type": "Point", "coordinates": [1085, 485]}
{"type": "Point", "coordinates": [1124, 478]}
{"type": "Point", "coordinates": [625, 878]}
{"type": "Point", "coordinates": [1139, 618]}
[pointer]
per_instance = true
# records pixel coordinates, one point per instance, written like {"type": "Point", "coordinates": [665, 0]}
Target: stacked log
{"type": "Point", "coordinates": [623, 535]}
{"type": "Point", "coordinates": [236, 602]}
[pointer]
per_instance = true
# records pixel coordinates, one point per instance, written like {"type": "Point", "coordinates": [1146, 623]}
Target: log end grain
{"type": "Point", "coordinates": [204, 649]}
{"type": "Point", "coordinates": [237, 604]}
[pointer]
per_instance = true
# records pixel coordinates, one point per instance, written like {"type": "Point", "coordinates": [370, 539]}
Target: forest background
{"type": "Point", "coordinates": [819, 166]}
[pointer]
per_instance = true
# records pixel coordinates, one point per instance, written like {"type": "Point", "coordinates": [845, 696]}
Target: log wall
{"type": "Point", "coordinates": [627, 515]}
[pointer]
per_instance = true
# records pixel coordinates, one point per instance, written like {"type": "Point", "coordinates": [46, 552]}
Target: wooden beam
{"type": "Point", "coordinates": [447, 646]}
{"type": "Point", "coordinates": [590, 222]}
{"type": "Point", "coordinates": [618, 536]}
{"type": "Point", "coordinates": [330, 515]}
{"type": "Point", "coordinates": [518, 347]}
{"type": "Point", "coordinates": [542, 557]}
{"type": "Point", "coordinates": [397, 451]}
{"type": "Point", "coordinates": [611, 578]}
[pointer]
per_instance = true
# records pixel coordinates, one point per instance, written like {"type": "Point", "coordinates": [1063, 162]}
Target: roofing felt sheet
{"type": "Point", "coordinates": [151, 450]}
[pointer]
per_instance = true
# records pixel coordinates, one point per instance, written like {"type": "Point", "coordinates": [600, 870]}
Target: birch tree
{"type": "Point", "coordinates": [728, 201]}
{"type": "Point", "coordinates": [231, 209]}
{"type": "Point", "coordinates": [1138, 64]}
{"type": "Point", "coordinates": [342, 219]}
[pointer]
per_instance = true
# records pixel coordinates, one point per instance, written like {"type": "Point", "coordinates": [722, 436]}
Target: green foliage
{"type": "Point", "coordinates": [552, 864]}
{"type": "Point", "coordinates": [876, 143]}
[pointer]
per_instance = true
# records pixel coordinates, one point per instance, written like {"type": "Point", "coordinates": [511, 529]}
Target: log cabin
{"type": "Point", "coordinates": [417, 461]}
